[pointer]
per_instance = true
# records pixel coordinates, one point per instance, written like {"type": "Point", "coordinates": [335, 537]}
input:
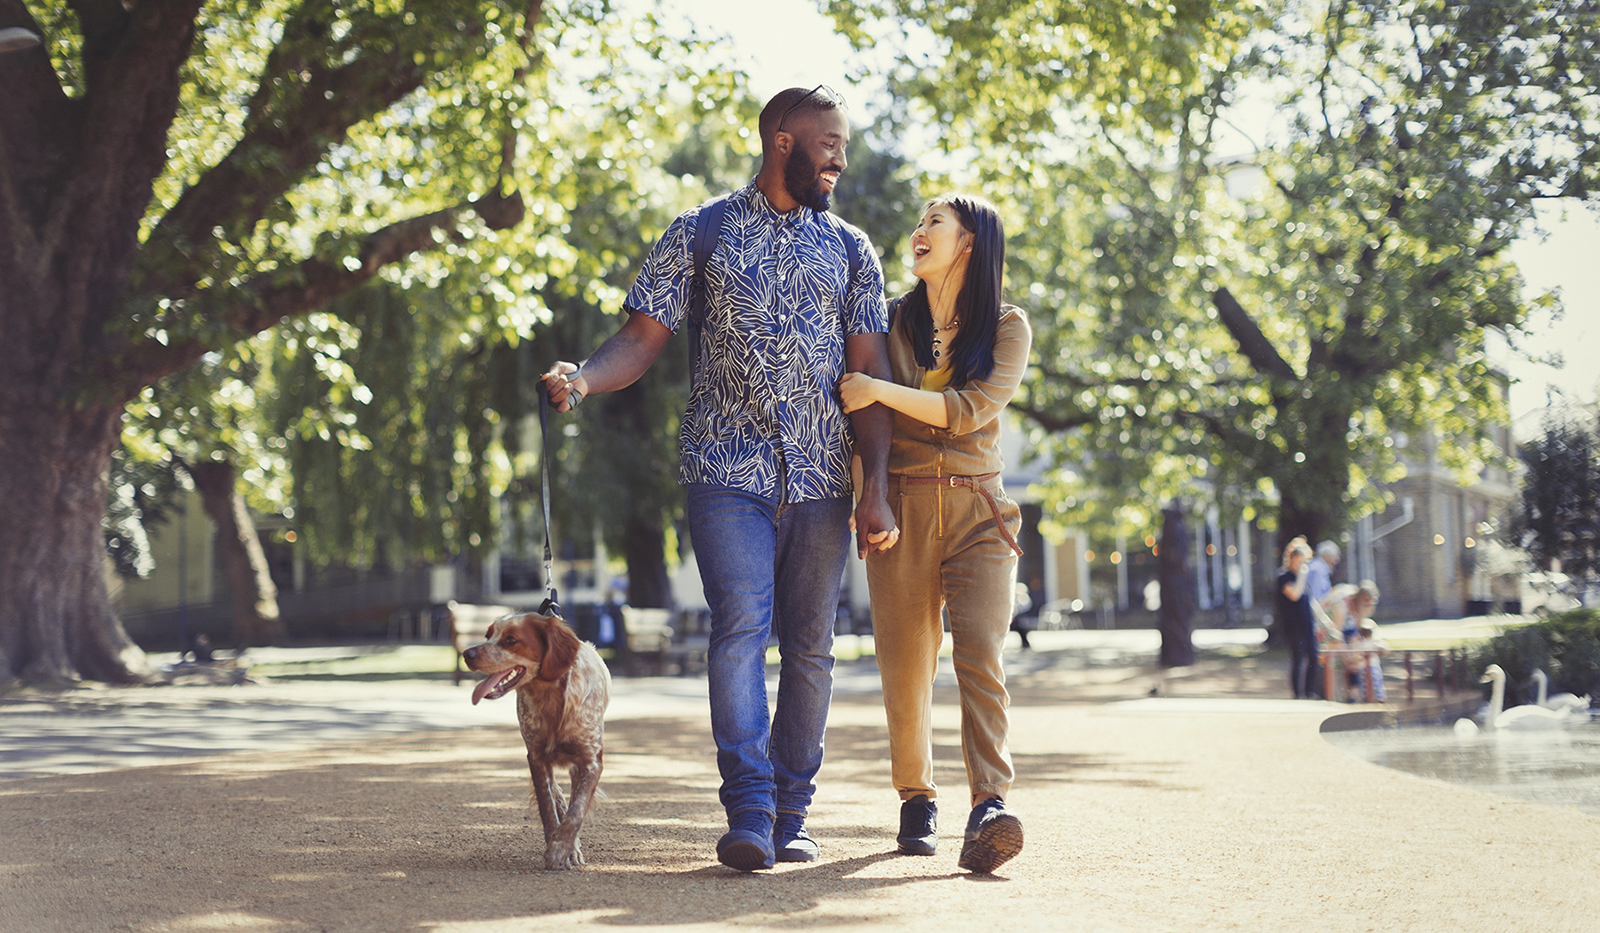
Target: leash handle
{"type": "Point", "coordinates": [550, 606]}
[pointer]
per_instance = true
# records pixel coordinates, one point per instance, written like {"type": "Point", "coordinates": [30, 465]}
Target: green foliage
{"type": "Point", "coordinates": [1362, 240]}
{"type": "Point", "coordinates": [1558, 513]}
{"type": "Point", "coordinates": [144, 494]}
{"type": "Point", "coordinates": [1565, 646]}
{"type": "Point", "coordinates": [388, 424]}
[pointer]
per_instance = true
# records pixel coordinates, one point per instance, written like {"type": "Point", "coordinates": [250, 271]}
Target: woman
{"type": "Point", "coordinates": [1295, 613]}
{"type": "Point", "coordinates": [956, 355]}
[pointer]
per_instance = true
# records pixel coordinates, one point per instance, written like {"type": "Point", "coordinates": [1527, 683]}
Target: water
{"type": "Point", "coordinates": [1556, 767]}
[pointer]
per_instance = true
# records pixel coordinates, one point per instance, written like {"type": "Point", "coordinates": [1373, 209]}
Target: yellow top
{"type": "Point", "coordinates": [936, 380]}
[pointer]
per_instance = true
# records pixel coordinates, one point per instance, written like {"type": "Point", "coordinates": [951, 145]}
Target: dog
{"type": "Point", "coordinates": [562, 691]}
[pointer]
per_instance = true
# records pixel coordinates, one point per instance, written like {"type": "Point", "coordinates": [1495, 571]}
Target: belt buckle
{"type": "Point", "coordinates": [953, 481]}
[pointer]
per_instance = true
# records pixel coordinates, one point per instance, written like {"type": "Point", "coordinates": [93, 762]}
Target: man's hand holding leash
{"type": "Point", "coordinates": [616, 364]}
{"type": "Point", "coordinates": [565, 385]}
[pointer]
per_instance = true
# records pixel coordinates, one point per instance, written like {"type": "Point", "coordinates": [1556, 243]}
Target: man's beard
{"type": "Point", "coordinates": [800, 176]}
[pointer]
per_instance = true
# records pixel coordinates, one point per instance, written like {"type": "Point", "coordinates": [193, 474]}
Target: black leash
{"type": "Point", "coordinates": [550, 607]}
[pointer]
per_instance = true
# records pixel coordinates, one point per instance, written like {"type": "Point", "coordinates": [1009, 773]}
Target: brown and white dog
{"type": "Point", "coordinates": [562, 690]}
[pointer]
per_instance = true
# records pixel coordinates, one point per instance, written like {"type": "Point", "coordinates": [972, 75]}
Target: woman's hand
{"type": "Point", "coordinates": [857, 391]}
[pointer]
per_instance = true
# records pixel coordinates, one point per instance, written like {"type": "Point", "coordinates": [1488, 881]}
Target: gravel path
{"type": "Point", "coordinates": [387, 806]}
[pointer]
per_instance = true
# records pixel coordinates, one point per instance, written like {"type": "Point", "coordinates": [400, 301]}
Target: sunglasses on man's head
{"type": "Point", "coordinates": [821, 91]}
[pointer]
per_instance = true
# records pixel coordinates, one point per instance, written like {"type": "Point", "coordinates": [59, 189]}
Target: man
{"type": "Point", "coordinates": [765, 451]}
{"type": "Point", "coordinates": [1319, 582]}
{"type": "Point", "coordinates": [1319, 573]}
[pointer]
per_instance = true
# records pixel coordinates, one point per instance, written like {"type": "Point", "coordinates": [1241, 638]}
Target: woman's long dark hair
{"type": "Point", "coordinates": [977, 304]}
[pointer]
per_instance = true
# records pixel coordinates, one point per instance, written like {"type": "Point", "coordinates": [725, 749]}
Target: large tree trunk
{"type": "Point", "coordinates": [648, 583]}
{"type": "Point", "coordinates": [1177, 584]}
{"type": "Point", "coordinates": [238, 547]}
{"type": "Point", "coordinates": [56, 622]}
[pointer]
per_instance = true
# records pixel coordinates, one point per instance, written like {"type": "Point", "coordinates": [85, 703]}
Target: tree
{"type": "Point", "coordinates": [1557, 517]}
{"type": "Point", "coordinates": [1177, 589]}
{"type": "Point", "coordinates": [1265, 344]}
{"type": "Point", "coordinates": [176, 176]}
{"type": "Point", "coordinates": [201, 422]}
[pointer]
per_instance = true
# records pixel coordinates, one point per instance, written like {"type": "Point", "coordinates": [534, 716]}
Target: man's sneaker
{"type": "Point", "coordinates": [993, 838]}
{"type": "Point", "coordinates": [791, 842]}
{"type": "Point", "coordinates": [747, 845]}
{"type": "Point", "coordinates": [919, 826]}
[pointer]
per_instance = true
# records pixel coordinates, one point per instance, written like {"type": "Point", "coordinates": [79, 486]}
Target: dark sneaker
{"type": "Point", "coordinates": [993, 837]}
{"type": "Point", "coordinates": [791, 842]}
{"type": "Point", "coordinates": [919, 826]}
{"type": "Point", "coordinates": [747, 845]}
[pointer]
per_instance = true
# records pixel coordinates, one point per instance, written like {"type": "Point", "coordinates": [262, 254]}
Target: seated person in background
{"type": "Point", "coordinates": [1339, 616]}
{"type": "Point", "coordinates": [1366, 639]}
{"type": "Point", "coordinates": [1334, 622]}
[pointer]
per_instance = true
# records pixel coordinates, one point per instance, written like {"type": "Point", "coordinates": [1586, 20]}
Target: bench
{"type": "Point", "coordinates": [468, 622]}
{"type": "Point", "coordinates": [656, 637]}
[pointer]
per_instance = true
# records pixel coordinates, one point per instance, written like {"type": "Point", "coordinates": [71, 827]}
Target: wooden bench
{"type": "Point", "coordinates": [649, 636]}
{"type": "Point", "coordinates": [657, 638]}
{"type": "Point", "coordinates": [468, 622]}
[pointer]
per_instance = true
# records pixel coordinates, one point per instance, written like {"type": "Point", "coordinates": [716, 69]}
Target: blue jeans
{"type": "Point", "coordinates": [769, 569]}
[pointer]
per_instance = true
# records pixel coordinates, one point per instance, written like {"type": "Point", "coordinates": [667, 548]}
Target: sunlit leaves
{"type": "Point", "coordinates": [1363, 238]}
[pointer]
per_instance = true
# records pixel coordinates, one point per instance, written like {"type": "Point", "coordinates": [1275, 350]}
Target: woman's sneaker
{"type": "Point", "coordinates": [919, 826]}
{"type": "Point", "coordinates": [993, 837]}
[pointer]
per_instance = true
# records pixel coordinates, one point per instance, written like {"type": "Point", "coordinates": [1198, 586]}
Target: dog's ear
{"type": "Point", "coordinates": [560, 649]}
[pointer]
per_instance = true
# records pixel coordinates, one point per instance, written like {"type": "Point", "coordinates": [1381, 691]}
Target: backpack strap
{"type": "Point", "coordinates": [850, 247]}
{"type": "Point", "coordinates": [707, 230]}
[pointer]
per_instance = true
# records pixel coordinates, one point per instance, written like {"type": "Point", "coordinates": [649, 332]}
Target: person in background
{"type": "Point", "coordinates": [1294, 610]}
{"type": "Point", "coordinates": [1319, 571]}
{"type": "Point", "coordinates": [1364, 637]}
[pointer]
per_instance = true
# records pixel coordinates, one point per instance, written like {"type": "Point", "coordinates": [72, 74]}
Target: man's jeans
{"type": "Point", "coordinates": [768, 568]}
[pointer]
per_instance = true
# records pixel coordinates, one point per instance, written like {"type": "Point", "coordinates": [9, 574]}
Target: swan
{"type": "Point", "coordinates": [1517, 717]}
{"type": "Point", "coordinates": [1560, 700]}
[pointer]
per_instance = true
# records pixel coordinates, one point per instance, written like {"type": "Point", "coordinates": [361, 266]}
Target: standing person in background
{"type": "Point", "coordinates": [1319, 571]}
{"type": "Point", "coordinates": [1294, 609]}
{"type": "Point", "coordinates": [958, 355]}
{"type": "Point", "coordinates": [765, 451]}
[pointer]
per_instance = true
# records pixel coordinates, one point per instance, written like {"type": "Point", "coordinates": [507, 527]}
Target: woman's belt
{"type": "Point", "coordinates": [972, 482]}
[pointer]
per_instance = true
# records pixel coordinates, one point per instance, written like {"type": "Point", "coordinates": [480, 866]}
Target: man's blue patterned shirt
{"type": "Point", "coordinates": [764, 409]}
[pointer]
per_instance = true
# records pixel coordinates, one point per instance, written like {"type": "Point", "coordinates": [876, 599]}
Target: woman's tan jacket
{"type": "Point", "coordinates": [970, 446]}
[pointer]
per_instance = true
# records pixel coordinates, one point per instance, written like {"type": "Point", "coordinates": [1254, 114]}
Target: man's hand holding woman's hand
{"type": "Point", "coordinates": [874, 527]}
{"type": "Point", "coordinates": [566, 385]}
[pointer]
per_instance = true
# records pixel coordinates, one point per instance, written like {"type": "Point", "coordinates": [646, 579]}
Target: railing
{"type": "Point", "coordinates": [1449, 670]}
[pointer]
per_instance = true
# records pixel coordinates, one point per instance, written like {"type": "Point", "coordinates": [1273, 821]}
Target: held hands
{"type": "Point", "coordinates": [566, 386]}
{"type": "Point", "coordinates": [857, 391]}
{"type": "Point", "coordinates": [874, 527]}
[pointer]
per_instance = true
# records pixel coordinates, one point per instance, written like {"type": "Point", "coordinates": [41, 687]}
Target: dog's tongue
{"type": "Point", "coordinates": [485, 685]}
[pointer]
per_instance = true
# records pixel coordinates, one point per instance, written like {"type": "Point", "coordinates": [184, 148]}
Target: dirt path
{"type": "Point", "coordinates": [1141, 815]}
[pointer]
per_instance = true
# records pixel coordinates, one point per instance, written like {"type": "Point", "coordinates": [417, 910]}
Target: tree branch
{"type": "Point", "coordinates": [312, 91]}
{"type": "Point", "coordinates": [1252, 342]}
{"type": "Point", "coordinates": [270, 298]}
{"type": "Point", "coordinates": [1052, 422]}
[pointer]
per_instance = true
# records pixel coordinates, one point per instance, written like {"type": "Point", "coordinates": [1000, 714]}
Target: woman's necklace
{"type": "Point", "coordinates": [938, 341]}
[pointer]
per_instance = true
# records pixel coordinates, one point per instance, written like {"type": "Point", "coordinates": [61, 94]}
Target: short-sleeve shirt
{"type": "Point", "coordinates": [1296, 613]}
{"type": "Point", "coordinates": [763, 413]}
{"type": "Point", "coordinates": [1319, 579]}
